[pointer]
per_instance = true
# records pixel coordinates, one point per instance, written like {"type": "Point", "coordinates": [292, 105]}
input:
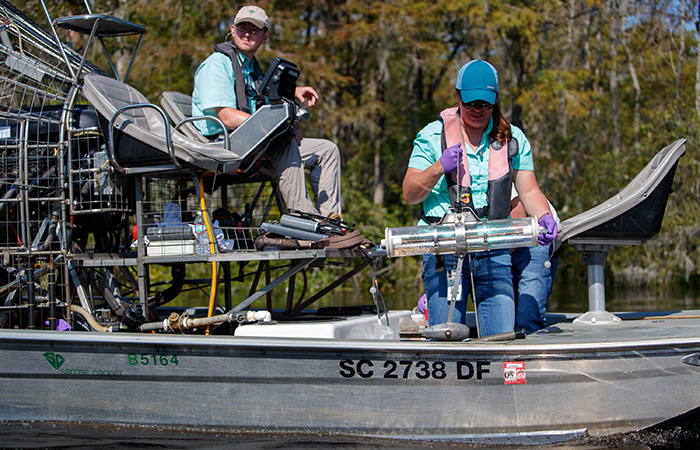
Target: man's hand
{"type": "Point", "coordinates": [306, 93]}
{"type": "Point", "coordinates": [451, 157]}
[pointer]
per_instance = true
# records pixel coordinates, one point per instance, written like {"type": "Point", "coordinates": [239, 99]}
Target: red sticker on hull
{"type": "Point", "coordinates": [514, 372]}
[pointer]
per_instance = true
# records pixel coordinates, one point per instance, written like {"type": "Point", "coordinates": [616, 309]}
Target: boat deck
{"type": "Point", "coordinates": [637, 329]}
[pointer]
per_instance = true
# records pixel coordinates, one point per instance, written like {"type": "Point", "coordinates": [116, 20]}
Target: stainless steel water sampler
{"type": "Point", "coordinates": [460, 233]}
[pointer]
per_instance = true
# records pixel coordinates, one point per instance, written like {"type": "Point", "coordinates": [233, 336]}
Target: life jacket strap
{"type": "Point", "coordinates": [241, 86]}
{"type": "Point", "coordinates": [500, 170]}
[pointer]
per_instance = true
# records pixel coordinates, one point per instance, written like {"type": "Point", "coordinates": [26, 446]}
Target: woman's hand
{"type": "Point", "coordinates": [549, 225]}
{"type": "Point", "coordinates": [451, 158]}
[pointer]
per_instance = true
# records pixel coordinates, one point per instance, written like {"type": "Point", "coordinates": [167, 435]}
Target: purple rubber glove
{"type": "Point", "coordinates": [451, 157]}
{"type": "Point", "coordinates": [61, 325]}
{"type": "Point", "coordinates": [422, 304]}
{"type": "Point", "coordinates": [550, 226]}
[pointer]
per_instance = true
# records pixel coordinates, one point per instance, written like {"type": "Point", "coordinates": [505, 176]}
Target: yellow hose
{"type": "Point", "coordinates": [205, 216]}
{"type": "Point", "coordinates": [212, 247]}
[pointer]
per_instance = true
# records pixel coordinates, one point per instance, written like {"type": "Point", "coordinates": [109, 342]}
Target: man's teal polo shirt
{"type": "Point", "coordinates": [214, 87]}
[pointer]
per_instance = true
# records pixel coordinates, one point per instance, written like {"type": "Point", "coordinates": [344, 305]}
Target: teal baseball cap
{"type": "Point", "coordinates": [478, 80]}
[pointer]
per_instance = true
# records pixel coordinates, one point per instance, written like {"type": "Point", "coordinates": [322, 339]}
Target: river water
{"type": "Point", "coordinates": [50, 436]}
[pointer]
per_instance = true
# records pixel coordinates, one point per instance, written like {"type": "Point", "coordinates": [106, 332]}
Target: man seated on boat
{"type": "Point", "coordinates": [225, 87]}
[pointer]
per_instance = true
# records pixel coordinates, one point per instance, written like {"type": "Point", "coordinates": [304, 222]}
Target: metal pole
{"type": "Point", "coordinates": [596, 288]}
{"type": "Point", "coordinates": [52, 296]}
{"type": "Point", "coordinates": [31, 310]}
{"type": "Point", "coordinates": [593, 255]}
{"type": "Point", "coordinates": [141, 249]}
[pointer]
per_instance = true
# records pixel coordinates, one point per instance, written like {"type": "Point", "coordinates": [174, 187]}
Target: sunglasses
{"type": "Point", "coordinates": [249, 29]}
{"type": "Point", "coordinates": [478, 104]}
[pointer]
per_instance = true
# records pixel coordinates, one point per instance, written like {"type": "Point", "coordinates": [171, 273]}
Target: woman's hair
{"type": "Point", "coordinates": [501, 127]}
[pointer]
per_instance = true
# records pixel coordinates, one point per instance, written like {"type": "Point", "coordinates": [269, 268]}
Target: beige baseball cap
{"type": "Point", "coordinates": [253, 14]}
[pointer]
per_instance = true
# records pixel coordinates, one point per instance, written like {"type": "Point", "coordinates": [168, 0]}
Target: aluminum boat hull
{"type": "Point", "coordinates": [562, 382]}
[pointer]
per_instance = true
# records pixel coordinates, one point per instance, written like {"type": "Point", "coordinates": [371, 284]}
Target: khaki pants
{"type": "Point", "coordinates": [322, 158]}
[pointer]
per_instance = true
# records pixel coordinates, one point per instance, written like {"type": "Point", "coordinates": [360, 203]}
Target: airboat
{"type": "Point", "coordinates": [99, 185]}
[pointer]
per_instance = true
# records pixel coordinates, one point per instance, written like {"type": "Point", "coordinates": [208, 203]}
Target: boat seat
{"type": "Point", "coordinates": [268, 129]}
{"type": "Point", "coordinates": [139, 137]}
{"type": "Point", "coordinates": [179, 107]}
{"type": "Point", "coordinates": [631, 217]}
{"type": "Point", "coordinates": [634, 215]}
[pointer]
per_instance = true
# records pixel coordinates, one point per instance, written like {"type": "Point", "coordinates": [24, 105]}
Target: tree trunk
{"type": "Point", "coordinates": [624, 41]}
{"type": "Point", "coordinates": [382, 75]}
{"type": "Point", "coordinates": [697, 76]}
{"type": "Point", "coordinates": [612, 75]}
{"type": "Point", "coordinates": [637, 96]}
{"type": "Point", "coordinates": [681, 56]}
{"type": "Point", "coordinates": [378, 188]}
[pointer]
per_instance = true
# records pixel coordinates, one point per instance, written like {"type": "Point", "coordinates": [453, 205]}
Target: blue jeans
{"type": "Point", "coordinates": [493, 288]}
{"type": "Point", "coordinates": [532, 282]}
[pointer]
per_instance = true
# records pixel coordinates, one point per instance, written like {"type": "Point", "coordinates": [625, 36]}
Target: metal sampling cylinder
{"type": "Point", "coordinates": [455, 235]}
{"type": "Point", "coordinates": [299, 223]}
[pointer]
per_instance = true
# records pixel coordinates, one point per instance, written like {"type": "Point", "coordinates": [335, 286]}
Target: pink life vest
{"type": "Point", "coordinates": [500, 170]}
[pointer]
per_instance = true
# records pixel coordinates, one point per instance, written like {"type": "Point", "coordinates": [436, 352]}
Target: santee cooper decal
{"type": "Point", "coordinates": [409, 369]}
{"type": "Point", "coordinates": [57, 362]}
{"type": "Point", "coordinates": [54, 359]}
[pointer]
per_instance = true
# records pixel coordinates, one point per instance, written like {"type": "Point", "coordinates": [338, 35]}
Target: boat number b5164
{"type": "Point", "coordinates": [404, 369]}
{"type": "Point", "coordinates": [152, 359]}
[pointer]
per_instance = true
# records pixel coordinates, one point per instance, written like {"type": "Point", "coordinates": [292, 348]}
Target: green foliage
{"type": "Point", "coordinates": [384, 70]}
